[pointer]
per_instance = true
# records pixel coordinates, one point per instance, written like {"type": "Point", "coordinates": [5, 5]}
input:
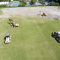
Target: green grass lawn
{"type": "Point", "coordinates": [1, 11]}
{"type": "Point", "coordinates": [28, 40]}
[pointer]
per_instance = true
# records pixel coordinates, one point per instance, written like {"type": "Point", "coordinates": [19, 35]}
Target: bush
{"type": "Point", "coordinates": [43, 2]}
{"type": "Point", "coordinates": [52, 3]}
{"type": "Point", "coordinates": [20, 1]}
{"type": "Point", "coordinates": [56, 4]}
{"type": "Point", "coordinates": [39, 0]}
{"type": "Point", "coordinates": [2, 5]}
{"type": "Point", "coordinates": [21, 5]}
{"type": "Point", "coordinates": [24, 3]}
{"type": "Point", "coordinates": [33, 1]}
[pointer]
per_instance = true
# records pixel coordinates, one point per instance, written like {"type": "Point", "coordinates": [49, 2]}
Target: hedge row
{"type": "Point", "coordinates": [21, 5]}
{"type": "Point", "coordinates": [3, 5]}
{"type": "Point", "coordinates": [53, 3]}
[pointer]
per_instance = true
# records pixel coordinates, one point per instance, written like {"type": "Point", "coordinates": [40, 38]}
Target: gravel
{"type": "Point", "coordinates": [53, 12]}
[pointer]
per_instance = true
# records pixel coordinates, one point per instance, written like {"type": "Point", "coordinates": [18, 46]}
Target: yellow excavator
{"type": "Point", "coordinates": [12, 23]}
{"type": "Point", "coordinates": [42, 13]}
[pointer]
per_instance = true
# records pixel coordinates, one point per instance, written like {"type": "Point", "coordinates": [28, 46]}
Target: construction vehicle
{"type": "Point", "coordinates": [12, 23]}
{"type": "Point", "coordinates": [7, 38]}
{"type": "Point", "coordinates": [58, 39]}
{"type": "Point", "coordinates": [42, 13]}
{"type": "Point", "coordinates": [56, 35]}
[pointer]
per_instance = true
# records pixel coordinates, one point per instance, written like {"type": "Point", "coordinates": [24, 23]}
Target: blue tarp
{"type": "Point", "coordinates": [15, 4]}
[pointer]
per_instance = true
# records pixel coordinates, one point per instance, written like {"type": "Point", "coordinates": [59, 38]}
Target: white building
{"type": "Point", "coordinates": [4, 3]}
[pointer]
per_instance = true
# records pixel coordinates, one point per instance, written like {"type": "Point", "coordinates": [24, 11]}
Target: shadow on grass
{"type": "Point", "coordinates": [8, 22]}
{"type": "Point", "coordinates": [4, 39]}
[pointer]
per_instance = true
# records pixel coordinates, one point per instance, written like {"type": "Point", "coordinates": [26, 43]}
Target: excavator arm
{"type": "Point", "coordinates": [11, 20]}
{"type": "Point", "coordinates": [41, 12]}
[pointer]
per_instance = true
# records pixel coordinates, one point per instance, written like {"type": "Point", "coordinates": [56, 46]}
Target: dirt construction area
{"type": "Point", "coordinates": [53, 12]}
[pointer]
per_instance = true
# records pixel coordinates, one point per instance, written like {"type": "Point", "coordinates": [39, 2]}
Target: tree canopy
{"type": "Point", "coordinates": [55, 1]}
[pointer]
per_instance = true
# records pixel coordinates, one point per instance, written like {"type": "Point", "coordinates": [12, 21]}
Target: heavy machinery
{"type": "Point", "coordinates": [7, 38]}
{"type": "Point", "coordinates": [56, 35]}
{"type": "Point", "coordinates": [12, 23]}
{"type": "Point", "coordinates": [42, 13]}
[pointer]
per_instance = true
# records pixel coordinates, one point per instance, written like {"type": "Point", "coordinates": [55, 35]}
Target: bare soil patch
{"type": "Point", "coordinates": [53, 12]}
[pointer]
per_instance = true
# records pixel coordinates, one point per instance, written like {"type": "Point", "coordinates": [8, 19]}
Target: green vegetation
{"type": "Point", "coordinates": [53, 4]}
{"type": "Point", "coordinates": [4, 0]}
{"type": "Point", "coordinates": [56, 4]}
{"type": "Point", "coordinates": [33, 1]}
{"type": "Point", "coordinates": [31, 40]}
{"type": "Point", "coordinates": [43, 2]}
{"type": "Point", "coordinates": [59, 6]}
{"type": "Point", "coordinates": [35, 5]}
{"type": "Point", "coordinates": [1, 11]}
{"type": "Point", "coordinates": [2, 5]}
{"type": "Point", "coordinates": [39, 0]}
{"type": "Point", "coordinates": [23, 3]}
{"type": "Point", "coordinates": [20, 0]}
{"type": "Point", "coordinates": [15, 2]}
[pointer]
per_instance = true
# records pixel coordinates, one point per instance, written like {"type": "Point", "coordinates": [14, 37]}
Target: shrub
{"type": "Point", "coordinates": [2, 5]}
{"type": "Point", "coordinates": [43, 2]}
{"type": "Point", "coordinates": [24, 3]}
{"type": "Point", "coordinates": [52, 3]}
{"type": "Point", "coordinates": [21, 5]}
{"type": "Point", "coordinates": [56, 4]}
{"type": "Point", "coordinates": [20, 1]}
{"type": "Point", "coordinates": [39, 0]}
{"type": "Point", "coordinates": [33, 1]}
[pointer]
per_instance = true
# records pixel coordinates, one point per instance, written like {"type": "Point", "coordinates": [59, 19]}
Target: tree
{"type": "Point", "coordinates": [20, 0]}
{"type": "Point", "coordinates": [55, 1]}
{"type": "Point", "coordinates": [33, 1]}
{"type": "Point", "coordinates": [58, 1]}
{"type": "Point", "coordinates": [43, 2]}
{"type": "Point", "coordinates": [52, 3]}
{"type": "Point", "coordinates": [56, 4]}
{"type": "Point", "coordinates": [4, 0]}
{"type": "Point", "coordinates": [39, 0]}
{"type": "Point", "coordinates": [23, 2]}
